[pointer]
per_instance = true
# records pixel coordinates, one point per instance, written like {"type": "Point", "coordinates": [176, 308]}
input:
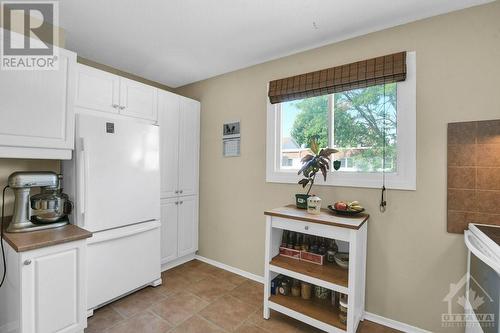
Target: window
{"type": "Point", "coordinates": [373, 128]}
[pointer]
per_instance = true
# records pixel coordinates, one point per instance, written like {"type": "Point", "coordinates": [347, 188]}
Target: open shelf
{"type": "Point", "coordinates": [319, 310]}
{"type": "Point", "coordinates": [330, 273]}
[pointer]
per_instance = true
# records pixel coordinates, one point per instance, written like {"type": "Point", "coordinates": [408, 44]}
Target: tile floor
{"type": "Point", "coordinates": [199, 298]}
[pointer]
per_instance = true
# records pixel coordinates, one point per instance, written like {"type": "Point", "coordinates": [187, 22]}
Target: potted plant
{"type": "Point", "coordinates": [320, 161]}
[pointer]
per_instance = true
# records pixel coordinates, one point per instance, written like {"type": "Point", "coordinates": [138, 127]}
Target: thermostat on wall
{"type": "Point", "coordinates": [231, 139]}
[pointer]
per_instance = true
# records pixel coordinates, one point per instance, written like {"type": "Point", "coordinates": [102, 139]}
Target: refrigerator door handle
{"type": "Point", "coordinates": [117, 233]}
{"type": "Point", "coordinates": [83, 177]}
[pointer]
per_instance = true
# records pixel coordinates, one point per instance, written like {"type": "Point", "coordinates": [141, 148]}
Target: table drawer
{"type": "Point", "coordinates": [311, 228]}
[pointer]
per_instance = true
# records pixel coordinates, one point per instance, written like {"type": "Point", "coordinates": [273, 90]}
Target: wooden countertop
{"type": "Point", "coordinates": [326, 217]}
{"type": "Point", "coordinates": [26, 241]}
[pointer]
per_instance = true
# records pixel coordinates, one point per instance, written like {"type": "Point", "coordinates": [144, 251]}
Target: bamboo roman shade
{"type": "Point", "coordinates": [386, 69]}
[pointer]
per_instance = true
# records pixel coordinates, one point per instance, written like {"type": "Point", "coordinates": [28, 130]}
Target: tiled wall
{"type": "Point", "coordinates": [473, 174]}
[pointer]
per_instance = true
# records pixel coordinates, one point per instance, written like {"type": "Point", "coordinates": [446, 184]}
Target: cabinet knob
{"type": "Point", "coordinates": [306, 227]}
{"type": "Point", "coordinates": [181, 202]}
{"type": "Point", "coordinates": [177, 191]}
{"type": "Point", "coordinates": [27, 262]}
{"type": "Point", "coordinates": [180, 191]}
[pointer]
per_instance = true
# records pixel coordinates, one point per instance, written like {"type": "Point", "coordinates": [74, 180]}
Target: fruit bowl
{"type": "Point", "coordinates": [347, 212]}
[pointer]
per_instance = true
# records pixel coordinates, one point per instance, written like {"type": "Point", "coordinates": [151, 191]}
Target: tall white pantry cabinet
{"type": "Point", "coordinates": [179, 121]}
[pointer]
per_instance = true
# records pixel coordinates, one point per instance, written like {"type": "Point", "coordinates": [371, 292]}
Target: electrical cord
{"type": "Point", "coordinates": [1, 237]}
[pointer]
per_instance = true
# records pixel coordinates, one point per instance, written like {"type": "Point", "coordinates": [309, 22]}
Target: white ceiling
{"type": "Point", "coordinates": [176, 42]}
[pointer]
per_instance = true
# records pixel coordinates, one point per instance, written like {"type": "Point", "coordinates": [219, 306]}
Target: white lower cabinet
{"type": "Point", "coordinates": [187, 225]}
{"type": "Point", "coordinates": [45, 290]}
{"type": "Point", "coordinates": [179, 235]}
{"type": "Point", "coordinates": [169, 217]}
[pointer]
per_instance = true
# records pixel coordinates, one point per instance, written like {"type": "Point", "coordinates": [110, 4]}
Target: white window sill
{"type": "Point", "coordinates": [348, 179]}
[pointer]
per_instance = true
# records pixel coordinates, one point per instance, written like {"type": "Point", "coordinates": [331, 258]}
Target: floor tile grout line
{"type": "Point", "coordinates": [211, 322]}
{"type": "Point", "coordinates": [240, 324]}
{"type": "Point", "coordinates": [159, 317]}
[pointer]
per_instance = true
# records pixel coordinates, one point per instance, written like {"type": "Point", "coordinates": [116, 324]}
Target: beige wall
{"type": "Point", "coordinates": [411, 258]}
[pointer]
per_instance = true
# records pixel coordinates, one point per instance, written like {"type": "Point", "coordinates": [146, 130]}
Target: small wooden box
{"type": "Point", "coordinates": [314, 258]}
{"type": "Point", "coordinates": [289, 253]}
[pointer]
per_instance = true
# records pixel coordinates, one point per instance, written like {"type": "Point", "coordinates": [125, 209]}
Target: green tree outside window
{"type": "Point", "coordinates": [359, 123]}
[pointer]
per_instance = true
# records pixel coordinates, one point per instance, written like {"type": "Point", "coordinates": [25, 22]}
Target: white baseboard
{"type": "Point", "coordinates": [179, 261]}
{"type": "Point", "coordinates": [368, 316]}
{"type": "Point", "coordinates": [231, 269]}
{"type": "Point", "coordinates": [397, 325]}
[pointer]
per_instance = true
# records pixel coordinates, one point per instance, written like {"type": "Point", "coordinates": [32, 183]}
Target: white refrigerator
{"type": "Point", "coordinates": [114, 181]}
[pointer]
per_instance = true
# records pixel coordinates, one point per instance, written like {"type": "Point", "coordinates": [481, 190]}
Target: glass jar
{"type": "Point", "coordinates": [321, 293]}
{"type": "Point", "coordinates": [305, 290]}
{"type": "Point", "coordinates": [284, 288]}
{"type": "Point", "coordinates": [296, 288]}
{"type": "Point", "coordinates": [343, 302]}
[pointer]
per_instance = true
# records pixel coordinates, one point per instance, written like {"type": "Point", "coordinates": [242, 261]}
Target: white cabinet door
{"type": "Point", "coordinates": [189, 146]}
{"type": "Point", "coordinates": [54, 289]}
{"type": "Point", "coordinates": [36, 107]}
{"type": "Point", "coordinates": [138, 100]}
{"type": "Point", "coordinates": [187, 225]}
{"type": "Point", "coordinates": [169, 217]}
{"type": "Point", "coordinates": [168, 120]}
{"type": "Point", "coordinates": [97, 90]}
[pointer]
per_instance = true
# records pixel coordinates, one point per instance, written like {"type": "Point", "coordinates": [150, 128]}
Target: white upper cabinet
{"type": "Point", "coordinates": [168, 119]}
{"type": "Point", "coordinates": [102, 91]}
{"type": "Point", "coordinates": [138, 100]}
{"type": "Point", "coordinates": [97, 90]}
{"type": "Point", "coordinates": [179, 120]}
{"type": "Point", "coordinates": [189, 146]}
{"type": "Point", "coordinates": [36, 111]}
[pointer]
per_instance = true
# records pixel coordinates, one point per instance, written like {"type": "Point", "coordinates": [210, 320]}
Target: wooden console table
{"type": "Point", "coordinates": [320, 314]}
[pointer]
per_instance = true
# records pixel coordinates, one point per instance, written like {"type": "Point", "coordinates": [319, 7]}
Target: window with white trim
{"type": "Point", "coordinates": [366, 125]}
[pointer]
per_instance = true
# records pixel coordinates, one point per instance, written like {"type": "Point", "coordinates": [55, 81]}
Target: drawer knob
{"type": "Point", "coordinates": [306, 227]}
{"type": "Point", "coordinates": [27, 262]}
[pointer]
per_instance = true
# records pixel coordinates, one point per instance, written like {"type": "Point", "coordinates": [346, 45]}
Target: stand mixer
{"type": "Point", "coordinates": [49, 209]}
